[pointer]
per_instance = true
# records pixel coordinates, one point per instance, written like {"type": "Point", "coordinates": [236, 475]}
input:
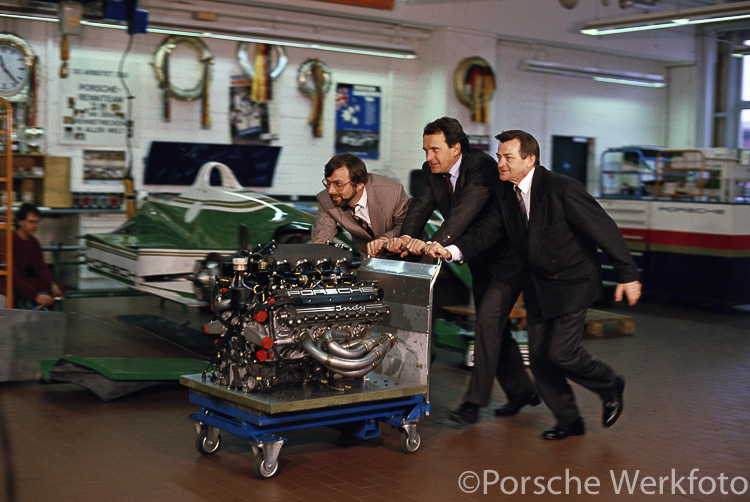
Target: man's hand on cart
{"type": "Point", "coordinates": [377, 246]}
{"type": "Point", "coordinates": [397, 245]}
{"type": "Point", "coordinates": [436, 250]}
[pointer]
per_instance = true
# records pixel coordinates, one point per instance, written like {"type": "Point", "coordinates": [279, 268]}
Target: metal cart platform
{"type": "Point", "coordinates": [397, 394]}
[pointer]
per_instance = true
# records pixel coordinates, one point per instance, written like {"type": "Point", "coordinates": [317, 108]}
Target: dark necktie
{"type": "Point", "coordinates": [521, 206]}
{"type": "Point", "coordinates": [447, 177]}
{"type": "Point", "coordinates": [360, 221]}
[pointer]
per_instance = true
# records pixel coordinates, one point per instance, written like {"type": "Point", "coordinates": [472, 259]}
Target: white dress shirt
{"type": "Point", "coordinates": [360, 207]}
{"type": "Point", "coordinates": [525, 187]}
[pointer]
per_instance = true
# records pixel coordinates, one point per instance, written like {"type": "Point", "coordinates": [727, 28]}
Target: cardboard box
{"type": "Point", "coordinates": [56, 185]}
{"type": "Point", "coordinates": [28, 337]}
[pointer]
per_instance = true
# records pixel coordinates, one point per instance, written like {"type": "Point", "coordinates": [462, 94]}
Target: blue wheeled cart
{"type": "Point", "coordinates": [262, 418]}
{"type": "Point", "coordinates": [397, 394]}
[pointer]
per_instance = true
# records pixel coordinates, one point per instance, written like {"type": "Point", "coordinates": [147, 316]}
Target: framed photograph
{"type": "Point", "coordinates": [104, 166]}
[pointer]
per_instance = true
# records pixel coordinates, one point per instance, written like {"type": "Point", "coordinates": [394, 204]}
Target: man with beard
{"type": "Point", "coordinates": [369, 206]}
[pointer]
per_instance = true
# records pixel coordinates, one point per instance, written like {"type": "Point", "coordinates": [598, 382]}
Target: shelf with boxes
{"type": "Point", "coordinates": [42, 180]}
{"type": "Point", "coordinates": [708, 175]}
{"type": "Point", "coordinates": [702, 175]}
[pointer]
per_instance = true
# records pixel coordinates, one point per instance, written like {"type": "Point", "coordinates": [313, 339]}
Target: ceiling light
{"type": "Point", "coordinates": [609, 76]}
{"type": "Point", "coordinates": [364, 50]}
{"type": "Point", "coordinates": [741, 51]}
{"type": "Point", "coordinates": [722, 12]}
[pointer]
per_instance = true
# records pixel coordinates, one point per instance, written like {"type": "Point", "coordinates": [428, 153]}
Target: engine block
{"type": "Point", "coordinates": [294, 314]}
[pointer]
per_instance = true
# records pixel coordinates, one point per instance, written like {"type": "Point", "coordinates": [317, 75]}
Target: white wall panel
{"type": "Point", "coordinates": [547, 105]}
{"type": "Point", "coordinates": [413, 92]}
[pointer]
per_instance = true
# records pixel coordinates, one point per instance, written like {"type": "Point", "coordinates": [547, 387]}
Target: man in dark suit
{"type": "Point", "coordinates": [458, 184]}
{"type": "Point", "coordinates": [555, 226]}
{"type": "Point", "coordinates": [496, 352]}
{"type": "Point", "coordinates": [458, 180]}
{"type": "Point", "coordinates": [368, 206]}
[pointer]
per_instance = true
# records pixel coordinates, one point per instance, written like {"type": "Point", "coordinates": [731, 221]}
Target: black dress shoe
{"type": "Point", "coordinates": [467, 413]}
{"type": "Point", "coordinates": [556, 433]}
{"type": "Point", "coordinates": [613, 404]}
{"type": "Point", "coordinates": [514, 407]}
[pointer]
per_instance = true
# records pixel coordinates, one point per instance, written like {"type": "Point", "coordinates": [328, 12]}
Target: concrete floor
{"type": "Point", "coordinates": [687, 411]}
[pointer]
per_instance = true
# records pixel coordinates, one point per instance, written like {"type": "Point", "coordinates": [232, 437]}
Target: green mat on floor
{"type": "Point", "coordinates": [450, 335]}
{"type": "Point", "coordinates": [191, 339]}
{"type": "Point", "coordinates": [134, 368]}
{"type": "Point", "coordinates": [113, 377]}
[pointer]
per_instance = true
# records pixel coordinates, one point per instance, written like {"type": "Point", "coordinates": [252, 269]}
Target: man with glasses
{"type": "Point", "coordinates": [34, 287]}
{"type": "Point", "coordinates": [369, 206]}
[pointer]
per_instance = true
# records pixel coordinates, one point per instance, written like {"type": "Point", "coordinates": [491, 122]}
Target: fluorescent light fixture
{"type": "Point", "coordinates": [741, 51]}
{"type": "Point", "coordinates": [609, 76]}
{"type": "Point", "coordinates": [30, 17]}
{"type": "Point", "coordinates": [364, 50]}
{"type": "Point", "coordinates": [303, 44]}
{"type": "Point", "coordinates": [722, 12]}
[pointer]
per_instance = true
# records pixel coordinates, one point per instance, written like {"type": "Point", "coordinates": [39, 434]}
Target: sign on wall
{"type": "Point", "coordinates": [248, 119]}
{"type": "Point", "coordinates": [93, 104]}
{"type": "Point", "coordinates": [104, 166]}
{"type": "Point", "coordinates": [358, 120]}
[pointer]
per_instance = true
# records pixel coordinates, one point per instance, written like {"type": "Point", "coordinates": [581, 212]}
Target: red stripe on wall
{"type": "Point", "coordinates": [687, 239]}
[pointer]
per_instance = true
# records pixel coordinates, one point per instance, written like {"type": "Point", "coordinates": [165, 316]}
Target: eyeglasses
{"type": "Point", "coordinates": [337, 185]}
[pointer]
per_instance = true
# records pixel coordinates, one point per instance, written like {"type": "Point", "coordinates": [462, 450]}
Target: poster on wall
{"type": "Point", "coordinates": [358, 120]}
{"type": "Point", "coordinates": [248, 119]}
{"type": "Point", "coordinates": [104, 166]}
{"type": "Point", "coordinates": [93, 102]}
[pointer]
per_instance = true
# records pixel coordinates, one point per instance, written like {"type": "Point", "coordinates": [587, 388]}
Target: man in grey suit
{"type": "Point", "coordinates": [369, 206]}
{"type": "Point", "coordinates": [555, 227]}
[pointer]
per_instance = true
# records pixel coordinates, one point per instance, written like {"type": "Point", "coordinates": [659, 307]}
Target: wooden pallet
{"type": "Point", "coordinates": [518, 311]}
{"type": "Point", "coordinates": [600, 323]}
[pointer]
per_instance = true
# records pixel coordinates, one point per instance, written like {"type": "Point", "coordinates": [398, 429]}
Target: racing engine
{"type": "Point", "coordinates": [294, 314]}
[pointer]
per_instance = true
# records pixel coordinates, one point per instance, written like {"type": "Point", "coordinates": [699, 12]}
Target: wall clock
{"type": "Point", "coordinates": [16, 66]}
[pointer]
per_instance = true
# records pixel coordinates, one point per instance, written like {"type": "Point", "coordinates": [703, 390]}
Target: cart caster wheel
{"type": "Point", "coordinates": [261, 468]}
{"type": "Point", "coordinates": [409, 445]}
{"type": "Point", "coordinates": [206, 445]}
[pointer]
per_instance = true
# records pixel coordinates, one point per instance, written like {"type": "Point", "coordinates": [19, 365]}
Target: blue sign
{"type": "Point", "coordinates": [358, 120]}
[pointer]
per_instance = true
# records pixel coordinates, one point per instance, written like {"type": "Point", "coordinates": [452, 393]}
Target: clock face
{"type": "Point", "coordinates": [14, 71]}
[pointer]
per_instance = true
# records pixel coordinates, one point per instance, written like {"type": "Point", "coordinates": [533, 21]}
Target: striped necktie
{"type": "Point", "coordinates": [447, 177]}
{"type": "Point", "coordinates": [521, 206]}
{"type": "Point", "coordinates": [360, 221]}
